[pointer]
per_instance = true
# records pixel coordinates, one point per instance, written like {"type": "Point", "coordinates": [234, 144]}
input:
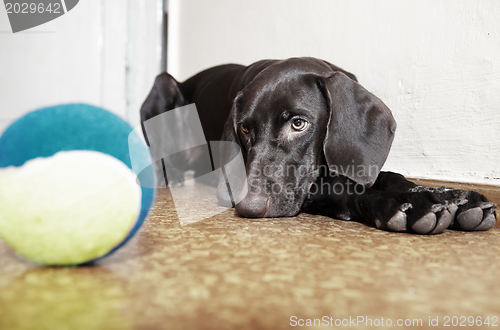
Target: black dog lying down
{"type": "Point", "coordinates": [310, 116]}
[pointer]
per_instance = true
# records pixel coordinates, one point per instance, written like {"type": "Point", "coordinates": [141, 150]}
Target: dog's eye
{"type": "Point", "coordinates": [244, 129]}
{"type": "Point", "coordinates": [299, 124]}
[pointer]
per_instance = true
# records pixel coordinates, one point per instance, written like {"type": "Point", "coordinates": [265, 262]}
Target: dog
{"type": "Point", "coordinates": [313, 140]}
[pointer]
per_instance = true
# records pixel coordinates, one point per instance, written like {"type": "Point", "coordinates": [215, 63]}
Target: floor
{"type": "Point", "coordinates": [227, 272]}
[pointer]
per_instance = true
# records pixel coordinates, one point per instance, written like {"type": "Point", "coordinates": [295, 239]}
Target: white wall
{"type": "Point", "coordinates": [105, 53]}
{"type": "Point", "coordinates": [435, 63]}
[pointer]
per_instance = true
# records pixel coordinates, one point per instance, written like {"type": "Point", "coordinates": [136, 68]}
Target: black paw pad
{"type": "Point", "coordinates": [425, 224]}
{"type": "Point", "coordinates": [436, 221]}
{"type": "Point", "coordinates": [397, 222]}
{"type": "Point", "coordinates": [470, 219]}
{"type": "Point", "coordinates": [444, 220]}
{"type": "Point", "coordinates": [487, 223]}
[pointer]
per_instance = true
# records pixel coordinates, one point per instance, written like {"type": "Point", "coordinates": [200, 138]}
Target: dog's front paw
{"type": "Point", "coordinates": [471, 211]}
{"type": "Point", "coordinates": [160, 176]}
{"type": "Point", "coordinates": [175, 177]}
{"type": "Point", "coordinates": [420, 213]}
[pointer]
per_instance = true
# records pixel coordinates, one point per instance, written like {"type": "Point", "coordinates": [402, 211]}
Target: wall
{"type": "Point", "coordinates": [436, 64]}
{"type": "Point", "coordinates": [105, 53]}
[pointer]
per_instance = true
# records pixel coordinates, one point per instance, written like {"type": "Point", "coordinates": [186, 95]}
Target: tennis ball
{"type": "Point", "coordinates": [41, 161]}
{"type": "Point", "coordinates": [70, 208]}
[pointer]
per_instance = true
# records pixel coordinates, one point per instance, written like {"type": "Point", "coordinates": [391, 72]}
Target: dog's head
{"type": "Point", "coordinates": [296, 118]}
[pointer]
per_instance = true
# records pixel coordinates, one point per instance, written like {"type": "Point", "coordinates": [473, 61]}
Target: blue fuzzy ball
{"type": "Point", "coordinates": [45, 132]}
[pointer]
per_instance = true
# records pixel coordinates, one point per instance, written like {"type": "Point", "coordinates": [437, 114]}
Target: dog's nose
{"type": "Point", "coordinates": [252, 206]}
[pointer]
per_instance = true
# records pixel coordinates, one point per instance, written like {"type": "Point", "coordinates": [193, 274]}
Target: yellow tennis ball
{"type": "Point", "coordinates": [70, 208]}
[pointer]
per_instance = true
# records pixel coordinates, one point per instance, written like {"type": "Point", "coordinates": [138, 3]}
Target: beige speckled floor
{"type": "Point", "coordinates": [228, 272]}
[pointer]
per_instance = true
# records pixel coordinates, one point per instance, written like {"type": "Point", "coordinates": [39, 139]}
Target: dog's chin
{"type": "Point", "coordinates": [286, 206]}
{"type": "Point", "coordinates": [283, 209]}
{"type": "Point", "coordinates": [256, 204]}
{"type": "Point", "coordinates": [290, 213]}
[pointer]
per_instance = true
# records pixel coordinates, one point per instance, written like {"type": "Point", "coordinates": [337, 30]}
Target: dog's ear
{"type": "Point", "coordinates": [359, 132]}
{"type": "Point", "coordinates": [165, 95]}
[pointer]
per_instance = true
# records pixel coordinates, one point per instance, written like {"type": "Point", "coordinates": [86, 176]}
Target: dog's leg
{"type": "Point", "coordinates": [393, 205]}
{"type": "Point", "coordinates": [469, 209]}
{"type": "Point", "coordinates": [164, 96]}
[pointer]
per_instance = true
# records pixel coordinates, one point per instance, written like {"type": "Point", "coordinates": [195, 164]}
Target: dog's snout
{"type": "Point", "coordinates": [253, 206]}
